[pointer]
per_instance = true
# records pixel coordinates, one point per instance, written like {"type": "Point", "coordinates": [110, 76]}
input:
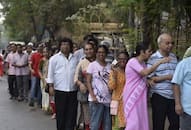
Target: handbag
{"type": "Point", "coordinates": [82, 97]}
{"type": "Point", "coordinates": [114, 107]}
{"type": "Point", "coordinates": [47, 88]}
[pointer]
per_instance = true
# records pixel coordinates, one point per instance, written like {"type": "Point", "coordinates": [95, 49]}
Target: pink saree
{"type": "Point", "coordinates": [135, 97]}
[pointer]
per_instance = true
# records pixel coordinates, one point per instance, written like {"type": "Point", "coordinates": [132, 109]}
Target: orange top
{"type": "Point", "coordinates": [116, 84]}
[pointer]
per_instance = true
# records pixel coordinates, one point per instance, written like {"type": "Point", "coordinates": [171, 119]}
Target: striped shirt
{"type": "Point", "coordinates": [21, 59]}
{"type": "Point", "coordinates": [9, 60]}
{"type": "Point", "coordinates": [163, 88]}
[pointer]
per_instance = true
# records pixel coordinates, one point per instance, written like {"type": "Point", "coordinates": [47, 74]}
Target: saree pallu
{"type": "Point", "coordinates": [135, 106]}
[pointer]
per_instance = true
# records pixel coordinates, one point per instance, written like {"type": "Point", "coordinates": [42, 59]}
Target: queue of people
{"type": "Point", "coordinates": [110, 96]}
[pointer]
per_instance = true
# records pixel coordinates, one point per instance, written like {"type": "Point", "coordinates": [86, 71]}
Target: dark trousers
{"type": "Point", "coordinates": [23, 85]}
{"type": "Point", "coordinates": [185, 121]}
{"type": "Point", "coordinates": [162, 107]}
{"type": "Point", "coordinates": [66, 109]}
{"type": "Point", "coordinates": [12, 85]}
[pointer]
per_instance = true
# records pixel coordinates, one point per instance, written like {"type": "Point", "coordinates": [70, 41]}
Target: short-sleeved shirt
{"type": "Point", "coordinates": [35, 61]}
{"type": "Point", "coordinates": [21, 59]}
{"type": "Point", "coordinates": [9, 60]}
{"type": "Point", "coordinates": [100, 77]}
{"type": "Point", "coordinates": [163, 88]}
{"type": "Point", "coordinates": [182, 77]}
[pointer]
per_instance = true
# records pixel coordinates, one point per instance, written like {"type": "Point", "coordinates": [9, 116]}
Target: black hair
{"type": "Point", "coordinates": [91, 37]}
{"type": "Point", "coordinates": [141, 46]}
{"type": "Point", "coordinates": [89, 43]}
{"type": "Point", "coordinates": [68, 40]}
{"type": "Point", "coordinates": [18, 45]}
{"type": "Point", "coordinates": [104, 47]}
{"type": "Point", "coordinates": [123, 52]}
{"type": "Point", "coordinates": [88, 36]}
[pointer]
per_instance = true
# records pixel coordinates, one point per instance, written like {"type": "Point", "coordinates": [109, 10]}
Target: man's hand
{"type": "Point", "coordinates": [51, 91]}
{"type": "Point", "coordinates": [179, 109]}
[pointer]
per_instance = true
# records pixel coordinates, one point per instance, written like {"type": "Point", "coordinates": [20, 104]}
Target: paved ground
{"type": "Point", "coordinates": [16, 115]}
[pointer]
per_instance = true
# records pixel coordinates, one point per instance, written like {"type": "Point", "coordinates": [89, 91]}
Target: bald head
{"type": "Point", "coordinates": [165, 43]}
{"type": "Point", "coordinates": [162, 37]}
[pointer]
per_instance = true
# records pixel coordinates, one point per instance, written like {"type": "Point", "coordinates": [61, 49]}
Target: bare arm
{"type": "Point", "coordinates": [82, 86]}
{"type": "Point", "coordinates": [178, 105]}
{"type": "Point", "coordinates": [149, 70]}
{"type": "Point", "coordinates": [89, 85]}
{"type": "Point", "coordinates": [40, 69]}
{"type": "Point", "coordinates": [30, 67]}
{"type": "Point", "coordinates": [51, 89]}
{"type": "Point", "coordinates": [112, 80]}
{"type": "Point", "coordinates": [161, 78]}
{"type": "Point", "coordinates": [77, 76]}
{"type": "Point", "coordinates": [50, 77]}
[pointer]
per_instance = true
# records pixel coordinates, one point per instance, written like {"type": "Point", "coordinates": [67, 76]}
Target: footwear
{"type": "Point", "coordinates": [26, 100]}
{"type": "Point", "coordinates": [87, 127]}
{"type": "Point", "coordinates": [15, 98]}
{"type": "Point", "coordinates": [53, 116]}
{"type": "Point", "coordinates": [11, 98]}
{"type": "Point", "coordinates": [20, 99]}
{"type": "Point", "coordinates": [31, 104]}
{"type": "Point", "coordinates": [81, 126]}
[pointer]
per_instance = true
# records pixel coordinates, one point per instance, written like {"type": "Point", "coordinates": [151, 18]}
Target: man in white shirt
{"type": "Point", "coordinates": [61, 81]}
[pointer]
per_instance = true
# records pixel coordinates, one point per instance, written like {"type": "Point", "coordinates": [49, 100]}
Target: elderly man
{"type": "Point", "coordinates": [61, 79]}
{"type": "Point", "coordinates": [162, 99]}
{"type": "Point", "coordinates": [182, 92]}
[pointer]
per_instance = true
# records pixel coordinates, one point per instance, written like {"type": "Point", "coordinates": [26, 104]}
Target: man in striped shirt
{"type": "Point", "coordinates": [162, 99]}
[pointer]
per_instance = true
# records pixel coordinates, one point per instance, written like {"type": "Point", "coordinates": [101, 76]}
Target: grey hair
{"type": "Point", "coordinates": [160, 38]}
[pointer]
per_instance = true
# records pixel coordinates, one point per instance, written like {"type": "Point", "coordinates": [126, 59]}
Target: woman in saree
{"type": "Point", "coordinates": [43, 70]}
{"type": "Point", "coordinates": [135, 90]}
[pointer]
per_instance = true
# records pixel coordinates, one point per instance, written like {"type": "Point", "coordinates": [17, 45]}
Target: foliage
{"type": "Point", "coordinates": [143, 19]}
{"type": "Point", "coordinates": [31, 17]}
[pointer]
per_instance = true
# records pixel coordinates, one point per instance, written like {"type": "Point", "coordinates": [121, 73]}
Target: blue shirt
{"type": "Point", "coordinates": [61, 71]}
{"type": "Point", "coordinates": [182, 77]}
{"type": "Point", "coordinates": [163, 88]}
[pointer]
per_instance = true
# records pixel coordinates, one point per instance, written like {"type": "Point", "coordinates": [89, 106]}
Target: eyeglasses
{"type": "Point", "coordinates": [167, 43]}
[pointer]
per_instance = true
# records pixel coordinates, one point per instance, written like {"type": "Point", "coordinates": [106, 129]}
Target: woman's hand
{"type": "Point", "coordinates": [150, 83]}
{"type": "Point", "coordinates": [165, 60]}
{"type": "Point", "coordinates": [83, 88]}
{"type": "Point", "coordinates": [94, 99]}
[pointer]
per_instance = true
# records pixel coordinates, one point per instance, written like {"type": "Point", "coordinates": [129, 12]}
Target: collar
{"type": "Point", "coordinates": [69, 57]}
{"type": "Point", "coordinates": [159, 54]}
